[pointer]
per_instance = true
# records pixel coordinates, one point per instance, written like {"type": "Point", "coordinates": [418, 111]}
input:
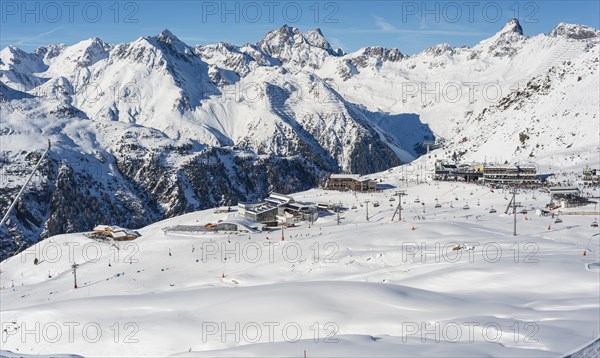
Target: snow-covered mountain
{"type": "Point", "coordinates": [155, 128]}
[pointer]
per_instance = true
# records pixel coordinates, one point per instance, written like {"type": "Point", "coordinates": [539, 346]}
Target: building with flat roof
{"type": "Point", "coordinates": [278, 208]}
{"type": "Point", "coordinates": [566, 197]}
{"type": "Point", "coordinates": [487, 173]}
{"type": "Point", "coordinates": [303, 211]}
{"type": "Point", "coordinates": [265, 213]}
{"type": "Point", "coordinates": [230, 224]}
{"type": "Point", "coordinates": [113, 232]}
{"type": "Point", "coordinates": [563, 190]}
{"type": "Point", "coordinates": [510, 174]}
{"type": "Point", "coordinates": [458, 172]}
{"type": "Point", "coordinates": [279, 199]}
{"type": "Point", "coordinates": [350, 182]}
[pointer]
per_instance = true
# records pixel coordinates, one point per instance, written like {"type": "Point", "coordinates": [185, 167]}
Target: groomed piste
{"type": "Point", "coordinates": [444, 281]}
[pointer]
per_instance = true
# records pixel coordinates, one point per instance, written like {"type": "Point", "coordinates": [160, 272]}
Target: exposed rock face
{"type": "Point", "coordinates": [145, 188]}
{"type": "Point", "coordinates": [576, 32]}
{"type": "Point", "coordinates": [154, 128]}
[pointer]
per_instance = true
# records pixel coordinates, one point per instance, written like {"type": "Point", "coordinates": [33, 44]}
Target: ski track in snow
{"type": "Point", "coordinates": [369, 282]}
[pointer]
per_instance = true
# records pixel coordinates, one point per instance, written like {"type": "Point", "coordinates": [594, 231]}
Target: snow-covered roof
{"type": "Point", "coordinates": [511, 166]}
{"type": "Point", "coordinates": [302, 206]}
{"type": "Point", "coordinates": [108, 228]}
{"type": "Point", "coordinates": [563, 188]}
{"type": "Point", "coordinates": [257, 208]}
{"type": "Point", "coordinates": [244, 222]}
{"type": "Point", "coordinates": [279, 198]}
{"type": "Point", "coordinates": [345, 176]}
{"type": "Point", "coordinates": [356, 177]}
{"type": "Point", "coordinates": [119, 234]}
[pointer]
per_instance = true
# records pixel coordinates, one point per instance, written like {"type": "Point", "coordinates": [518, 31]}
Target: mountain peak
{"type": "Point", "coordinates": [94, 43]}
{"type": "Point", "coordinates": [12, 57]}
{"type": "Point", "coordinates": [285, 34]}
{"type": "Point", "coordinates": [316, 31]}
{"type": "Point", "coordinates": [512, 25]}
{"type": "Point", "coordinates": [315, 38]}
{"type": "Point", "coordinates": [573, 31]}
{"type": "Point", "coordinates": [97, 40]}
{"type": "Point", "coordinates": [288, 29]}
{"type": "Point", "coordinates": [440, 49]}
{"type": "Point", "coordinates": [166, 39]}
{"type": "Point", "coordinates": [15, 50]}
{"type": "Point", "coordinates": [167, 36]}
{"type": "Point", "coordinates": [289, 44]}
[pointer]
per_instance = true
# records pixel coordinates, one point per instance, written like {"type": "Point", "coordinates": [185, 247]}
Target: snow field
{"type": "Point", "coordinates": [360, 288]}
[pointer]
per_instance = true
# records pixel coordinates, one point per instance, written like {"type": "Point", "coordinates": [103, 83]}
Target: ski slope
{"type": "Point", "coordinates": [361, 288]}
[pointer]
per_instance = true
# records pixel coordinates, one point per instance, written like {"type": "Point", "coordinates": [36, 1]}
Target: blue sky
{"type": "Point", "coordinates": [410, 26]}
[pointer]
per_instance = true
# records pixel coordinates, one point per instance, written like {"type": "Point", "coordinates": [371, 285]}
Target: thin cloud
{"type": "Point", "coordinates": [383, 25]}
{"type": "Point", "coordinates": [199, 40]}
{"type": "Point", "coordinates": [31, 40]}
{"type": "Point", "coordinates": [336, 43]}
